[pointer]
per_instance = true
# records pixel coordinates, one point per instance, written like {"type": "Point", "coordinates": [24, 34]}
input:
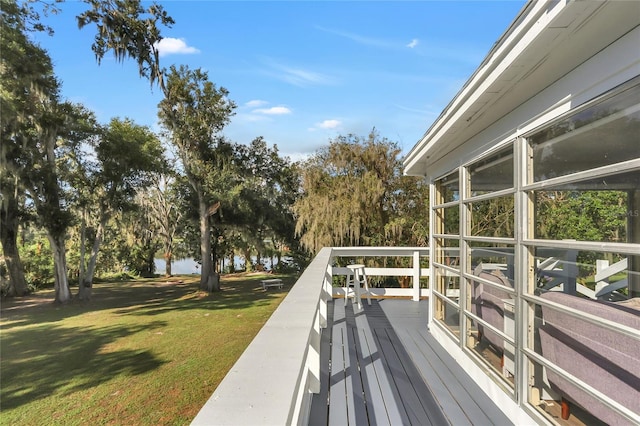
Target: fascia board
{"type": "Point", "coordinates": [530, 24]}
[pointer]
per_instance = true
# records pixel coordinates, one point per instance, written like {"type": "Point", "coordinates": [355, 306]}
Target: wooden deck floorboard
{"type": "Point", "coordinates": [385, 368]}
{"type": "Point", "coordinates": [475, 403]}
{"type": "Point", "coordinates": [355, 383]}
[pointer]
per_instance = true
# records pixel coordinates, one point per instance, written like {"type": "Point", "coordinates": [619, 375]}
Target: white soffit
{"type": "Point", "coordinates": [545, 42]}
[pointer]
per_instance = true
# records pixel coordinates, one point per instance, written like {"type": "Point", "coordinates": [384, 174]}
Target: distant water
{"type": "Point", "coordinates": [190, 266]}
{"type": "Point", "coordinates": [178, 267]}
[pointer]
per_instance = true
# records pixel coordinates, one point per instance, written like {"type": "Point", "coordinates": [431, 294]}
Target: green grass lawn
{"type": "Point", "coordinates": [145, 352]}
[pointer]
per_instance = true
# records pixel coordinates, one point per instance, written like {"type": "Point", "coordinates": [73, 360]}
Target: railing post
{"type": "Point", "coordinates": [601, 264]}
{"type": "Point", "coordinates": [313, 357]}
{"type": "Point", "coordinates": [326, 295]}
{"type": "Point", "coordinates": [416, 275]}
{"type": "Point", "coordinates": [571, 271]}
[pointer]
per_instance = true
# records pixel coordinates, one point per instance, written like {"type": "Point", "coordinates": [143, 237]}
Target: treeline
{"type": "Point", "coordinates": [98, 198]}
{"type": "Point", "coordinates": [82, 199]}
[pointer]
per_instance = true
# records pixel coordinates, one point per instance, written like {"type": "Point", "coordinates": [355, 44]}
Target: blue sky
{"type": "Point", "coordinates": [300, 72]}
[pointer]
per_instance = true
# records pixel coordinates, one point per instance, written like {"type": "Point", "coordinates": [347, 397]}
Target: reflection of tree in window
{"type": "Point", "coordinates": [451, 220]}
{"type": "Point", "coordinates": [493, 218]}
{"type": "Point", "coordinates": [583, 216]}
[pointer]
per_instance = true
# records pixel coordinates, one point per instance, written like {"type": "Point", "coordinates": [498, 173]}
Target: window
{"type": "Point", "coordinates": [584, 280]}
{"type": "Point", "coordinates": [570, 273]}
{"type": "Point", "coordinates": [492, 173]}
{"type": "Point", "coordinates": [600, 135]}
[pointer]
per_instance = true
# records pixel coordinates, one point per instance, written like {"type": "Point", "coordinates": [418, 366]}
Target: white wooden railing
{"type": "Point", "coordinates": [604, 271]}
{"type": "Point", "coordinates": [561, 275]}
{"type": "Point", "coordinates": [274, 379]}
{"type": "Point", "coordinates": [415, 271]}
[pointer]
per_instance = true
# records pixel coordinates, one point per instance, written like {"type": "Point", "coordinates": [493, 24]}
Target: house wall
{"type": "Point", "coordinates": [454, 323]}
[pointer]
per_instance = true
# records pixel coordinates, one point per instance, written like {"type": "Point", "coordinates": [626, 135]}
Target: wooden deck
{"type": "Point", "coordinates": [382, 367]}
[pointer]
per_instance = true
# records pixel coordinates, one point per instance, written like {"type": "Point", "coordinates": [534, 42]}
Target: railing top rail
{"type": "Point", "coordinates": [261, 386]}
{"type": "Point", "coordinates": [378, 251]}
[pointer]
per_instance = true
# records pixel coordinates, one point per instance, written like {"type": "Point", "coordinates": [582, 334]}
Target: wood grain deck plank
{"type": "Point", "coordinates": [357, 396]}
{"type": "Point", "coordinates": [475, 402]}
{"type": "Point", "coordinates": [386, 369]}
{"type": "Point", "coordinates": [338, 399]}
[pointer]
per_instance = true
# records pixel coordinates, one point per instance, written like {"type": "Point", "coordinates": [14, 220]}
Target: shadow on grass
{"type": "Point", "coordinates": [40, 361]}
{"type": "Point", "coordinates": [234, 295]}
{"type": "Point", "coordinates": [40, 356]}
{"type": "Point", "coordinates": [143, 297]}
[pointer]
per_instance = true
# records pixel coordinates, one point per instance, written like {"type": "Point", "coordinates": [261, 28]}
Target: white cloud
{"type": "Point", "coordinates": [329, 124]}
{"type": "Point", "coordinates": [367, 41]}
{"type": "Point", "coordinates": [170, 46]}
{"type": "Point", "coordinates": [430, 112]}
{"type": "Point", "coordinates": [298, 156]}
{"type": "Point", "coordinates": [370, 41]}
{"type": "Point", "coordinates": [295, 75]}
{"type": "Point", "coordinates": [255, 103]}
{"type": "Point", "coordinates": [278, 110]}
{"type": "Point", "coordinates": [301, 77]}
{"type": "Point", "coordinates": [413, 43]}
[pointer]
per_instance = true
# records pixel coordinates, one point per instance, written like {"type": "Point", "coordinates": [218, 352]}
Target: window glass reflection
{"type": "Point", "coordinates": [449, 218]}
{"type": "Point", "coordinates": [495, 309]}
{"type": "Point", "coordinates": [448, 315]}
{"type": "Point", "coordinates": [601, 135]}
{"type": "Point", "coordinates": [448, 252]}
{"type": "Point", "coordinates": [583, 215]}
{"type": "Point", "coordinates": [591, 274]}
{"type": "Point", "coordinates": [448, 188]}
{"type": "Point", "coordinates": [493, 173]}
{"type": "Point", "coordinates": [604, 359]}
{"type": "Point", "coordinates": [493, 218]}
{"type": "Point", "coordinates": [492, 257]}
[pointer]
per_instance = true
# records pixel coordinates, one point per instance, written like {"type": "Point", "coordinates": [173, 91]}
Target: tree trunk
{"type": "Point", "coordinates": [9, 238]}
{"type": "Point", "coordinates": [85, 286]}
{"type": "Point", "coordinates": [83, 252]}
{"type": "Point", "coordinates": [95, 250]}
{"type": "Point", "coordinates": [63, 293]}
{"type": "Point", "coordinates": [208, 279]}
{"type": "Point", "coordinates": [84, 290]}
{"type": "Point", "coordinates": [232, 263]}
{"type": "Point", "coordinates": [17, 282]}
{"type": "Point", "coordinates": [168, 257]}
{"type": "Point", "coordinates": [151, 262]}
{"type": "Point", "coordinates": [215, 260]}
{"type": "Point", "coordinates": [248, 266]}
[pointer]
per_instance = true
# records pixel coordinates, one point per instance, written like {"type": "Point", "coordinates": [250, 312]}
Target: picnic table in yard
{"type": "Point", "coordinates": [271, 282]}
